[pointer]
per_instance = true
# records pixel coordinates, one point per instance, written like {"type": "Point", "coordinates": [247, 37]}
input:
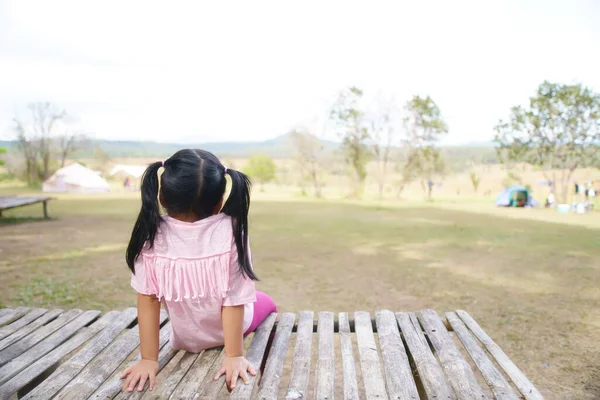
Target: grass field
{"type": "Point", "coordinates": [530, 277]}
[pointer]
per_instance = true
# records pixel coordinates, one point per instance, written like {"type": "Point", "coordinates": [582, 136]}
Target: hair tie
{"type": "Point", "coordinates": [224, 169]}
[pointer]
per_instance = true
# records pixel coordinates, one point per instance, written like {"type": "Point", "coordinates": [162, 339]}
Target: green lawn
{"type": "Point", "coordinates": [532, 284]}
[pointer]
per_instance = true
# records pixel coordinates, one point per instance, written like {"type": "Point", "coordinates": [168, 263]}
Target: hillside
{"type": "Point", "coordinates": [279, 147]}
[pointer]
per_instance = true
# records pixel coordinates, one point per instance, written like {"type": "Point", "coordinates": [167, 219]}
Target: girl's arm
{"type": "Point", "coordinates": [234, 365]}
{"type": "Point", "coordinates": [233, 325]}
{"type": "Point", "coordinates": [149, 325]}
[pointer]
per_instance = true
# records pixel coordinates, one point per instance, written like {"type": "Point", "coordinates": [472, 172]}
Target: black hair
{"type": "Point", "coordinates": [193, 181]}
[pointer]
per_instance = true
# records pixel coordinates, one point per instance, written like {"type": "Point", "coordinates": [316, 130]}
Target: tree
{"type": "Point", "coordinates": [559, 131]}
{"type": "Point", "coordinates": [475, 180]}
{"type": "Point", "coordinates": [261, 168]}
{"type": "Point", "coordinates": [351, 126]}
{"type": "Point", "coordinates": [310, 156]}
{"type": "Point", "coordinates": [68, 144]}
{"type": "Point", "coordinates": [44, 137]}
{"type": "Point", "coordinates": [427, 164]}
{"type": "Point", "coordinates": [423, 128]}
{"type": "Point", "coordinates": [385, 123]}
{"type": "Point", "coordinates": [2, 151]}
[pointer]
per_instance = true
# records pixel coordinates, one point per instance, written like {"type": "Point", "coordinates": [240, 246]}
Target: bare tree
{"type": "Point", "coordinates": [310, 152]}
{"type": "Point", "coordinates": [386, 124]}
{"type": "Point", "coordinates": [68, 144]}
{"type": "Point", "coordinates": [44, 136]}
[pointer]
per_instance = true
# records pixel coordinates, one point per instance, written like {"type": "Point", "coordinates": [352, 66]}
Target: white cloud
{"type": "Point", "coordinates": [250, 70]}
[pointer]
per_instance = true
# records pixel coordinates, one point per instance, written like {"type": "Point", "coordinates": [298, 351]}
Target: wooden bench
{"type": "Point", "coordinates": [8, 202]}
{"type": "Point", "coordinates": [79, 355]}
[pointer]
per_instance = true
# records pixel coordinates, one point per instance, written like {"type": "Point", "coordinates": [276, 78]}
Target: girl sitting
{"type": "Point", "coordinates": [196, 261]}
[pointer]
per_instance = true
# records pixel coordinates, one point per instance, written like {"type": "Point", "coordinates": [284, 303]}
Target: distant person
{"type": "Point", "coordinates": [550, 200]}
{"type": "Point", "coordinates": [196, 261]}
{"type": "Point", "coordinates": [127, 183]}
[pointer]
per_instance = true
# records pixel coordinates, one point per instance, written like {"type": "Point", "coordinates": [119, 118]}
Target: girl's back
{"type": "Point", "coordinates": [193, 269]}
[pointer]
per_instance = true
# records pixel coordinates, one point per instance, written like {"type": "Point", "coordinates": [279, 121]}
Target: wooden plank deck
{"type": "Point", "coordinates": [78, 354]}
{"type": "Point", "coordinates": [8, 202]}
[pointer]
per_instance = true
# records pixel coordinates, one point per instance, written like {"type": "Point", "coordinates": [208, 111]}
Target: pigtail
{"type": "Point", "coordinates": [237, 207]}
{"type": "Point", "coordinates": [147, 222]}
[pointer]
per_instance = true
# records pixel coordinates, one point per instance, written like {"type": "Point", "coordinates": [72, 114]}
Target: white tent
{"type": "Point", "coordinates": [76, 178]}
{"type": "Point", "coordinates": [133, 171]}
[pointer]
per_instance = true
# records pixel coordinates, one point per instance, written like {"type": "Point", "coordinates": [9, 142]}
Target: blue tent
{"type": "Point", "coordinates": [516, 196]}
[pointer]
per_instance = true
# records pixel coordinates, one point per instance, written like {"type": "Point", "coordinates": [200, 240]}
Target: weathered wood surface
{"type": "Point", "coordinates": [514, 373]}
{"type": "Point", "coordinates": [255, 356]}
{"type": "Point", "coordinates": [269, 387]}
{"type": "Point", "coordinates": [399, 377]}
{"type": "Point", "coordinates": [29, 328]}
{"type": "Point", "coordinates": [81, 354]}
{"type": "Point", "coordinates": [430, 372]}
{"type": "Point", "coordinates": [493, 377]}
{"type": "Point", "coordinates": [301, 362]}
{"type": "Point", "coordinates": [348, 368]}
{"type": "Point", "coordinates": [325, 379]}
{"type": "Point", "coordinates": [21, 322]}
{"type": "Point", "coordinates": [8, 202]}
{"type": "Point", "coordinates": [458, 371]}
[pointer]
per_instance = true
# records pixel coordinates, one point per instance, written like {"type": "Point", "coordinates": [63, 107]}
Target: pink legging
{"type": "Point", "coordinates": [262, 308]}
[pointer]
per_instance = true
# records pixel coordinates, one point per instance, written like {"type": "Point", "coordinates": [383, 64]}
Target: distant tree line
{"type": "Point", "coordinates": [558, 132]}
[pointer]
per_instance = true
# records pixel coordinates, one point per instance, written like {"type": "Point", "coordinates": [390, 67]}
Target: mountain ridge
{"type": "Point", "coordinates": [278, 147]}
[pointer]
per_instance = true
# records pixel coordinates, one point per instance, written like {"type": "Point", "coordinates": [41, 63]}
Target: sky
{"type": "Point", "coordinates": [189, 71]}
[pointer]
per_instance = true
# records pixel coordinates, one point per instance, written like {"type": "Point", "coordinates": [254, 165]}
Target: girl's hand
{"type": "Point", "coordinates": [234, 367]}
{"type": "Point", "coordinates": [140, 372]}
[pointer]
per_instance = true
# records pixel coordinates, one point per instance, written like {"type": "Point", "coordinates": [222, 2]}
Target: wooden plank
{"type": "Point", "coordinates": [417, 326]}
{"type": "Point", "coordinates": [457, 369]}
{"type": "Point", "coordinates": [348, 370]}
{"type": "Point", "coordinates": [4, 311]}
{"type": "Point", "coordinates": [113, 385]}
{"type": "Point", "coordinates": [369, 358]}
{"type": "Point", "coordinates": [69, 370]}
{"type": "Point", "coordinates": [47, 345]}
{"type": "Point", "coordinates": [38, 367]}
{"type": "Point", "coordinates": [494, 378]}
{"type": "Point", "coordinates": [514, 373]}
{"type": "Point", "coordinates": [255, 355]}
{"type": "Point", "coordinates": [269, 387]}
{"type": "Point", "coordinates": [193, 382]}
{"type": "Point", "coordinates": [398, 374]}
{"type": "Point", "coordinates": [101, 367]}
{"type": "Point", "coordinates": [325, 374]}
{"type": "Point", "coordinates": [27, 329]}
{"type": "Point", "coordinates": [166, 386]}
{"type": "Point", "coordinates": [21, 322]}
{"type": "Point", "coordinates": [430, 372]}
{"type": "Point", "coordinates": [13, 316]}
{"type": "Point", "coordinates": [209, 388]}
{"type": "Point", "coordinates": [21, 346]}
{"type": "Point", "coordinates": [302, 357]}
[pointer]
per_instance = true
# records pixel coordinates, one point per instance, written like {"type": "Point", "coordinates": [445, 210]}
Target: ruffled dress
{"type": "Point", "coordinates": [193, 270]}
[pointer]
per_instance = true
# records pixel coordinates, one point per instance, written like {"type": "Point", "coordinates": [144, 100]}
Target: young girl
{"type": "Point", "coordinates": [196, 261]}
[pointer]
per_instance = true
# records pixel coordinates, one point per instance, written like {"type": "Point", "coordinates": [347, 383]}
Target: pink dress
{"type": "Point", "coordinates": [193, 270]}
